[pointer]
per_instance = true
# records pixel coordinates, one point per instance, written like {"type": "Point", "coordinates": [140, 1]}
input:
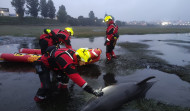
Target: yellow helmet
{"type": "Point", "coordinates": [47, 31]}
{"type": "Point", "coordinates": [107, 18]}
{"type": "Point", "coordinates": [84, 54]}
{"type": "Point", "coordinates": [69, 29]}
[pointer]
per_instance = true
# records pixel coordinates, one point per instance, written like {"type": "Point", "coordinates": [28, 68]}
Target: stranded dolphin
{"type": "Point", "coordinates": [116, 95]}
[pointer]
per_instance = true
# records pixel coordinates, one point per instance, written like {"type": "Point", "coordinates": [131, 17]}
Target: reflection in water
{"type": "Point", "coordinates": [13, 44]}
{"type": "Point", "coordinates": [159, 42]}
{"type": "Point", "coordinates": [35, 44]}
{"type": "Point", "coordinates": [16, 67]}
{"type": "Point", "coordinates": [109, 79]}
{"type": "Point", "coordinates": [90, 70]}
{"type": "Point", "coordinates": [23, 45]}
{"type": "Point", "coordinates": [91, 39]}
{"type": "Point", "coordinates": [57, 102]}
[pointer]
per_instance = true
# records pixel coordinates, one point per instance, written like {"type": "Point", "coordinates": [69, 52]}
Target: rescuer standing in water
{"type": "Point", "coordinates": [111, 38]}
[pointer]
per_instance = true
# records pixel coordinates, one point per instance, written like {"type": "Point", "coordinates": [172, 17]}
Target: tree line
{"type": "Point", "coordinates": [47, 10]}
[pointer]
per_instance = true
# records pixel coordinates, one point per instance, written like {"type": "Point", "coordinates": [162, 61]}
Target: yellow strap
{"type": "Point", "coordinates": [18, 54]}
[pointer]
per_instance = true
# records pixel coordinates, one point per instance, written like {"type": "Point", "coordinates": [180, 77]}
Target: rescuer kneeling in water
{"type": "Point", "coordinates": [111, 37]}
{"type": "Point", "coordinates": [64, 60]}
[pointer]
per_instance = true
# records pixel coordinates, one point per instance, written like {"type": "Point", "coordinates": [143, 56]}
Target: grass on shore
{"type": "Point", "coordinates": [36, 31]}
{"type": "Point", "coordinates": [87, 31]}
{"type": "Point", "coordinates": [151, 105]}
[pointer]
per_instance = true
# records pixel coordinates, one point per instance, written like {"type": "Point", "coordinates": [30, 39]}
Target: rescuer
{"type": "Point", "coordinates": [111, 37]}
{"type": "Point", "coordinates": [64, 36]}
{"type": "Point", "coordinates": [55, 37]}
{"type": "Point", "coordinates": [64, 60]}
{"type": "Point", "coordinates": [48, 38]}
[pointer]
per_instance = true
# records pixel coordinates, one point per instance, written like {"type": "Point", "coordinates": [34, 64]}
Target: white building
{"type": "Point", "coordinates": [4, 11]}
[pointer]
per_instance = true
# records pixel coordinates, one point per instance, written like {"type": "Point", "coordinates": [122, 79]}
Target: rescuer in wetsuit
{"type": "Point", "coordinates": [111, 37]}
{"type": "Point", "coordinates": [63, 59]}
{"type": "Point", "coordinates": [55, 37]}
{"type": "Point", "coordinates": [64, 36]}
{"type": "Point", "coordinates": [47, 39]}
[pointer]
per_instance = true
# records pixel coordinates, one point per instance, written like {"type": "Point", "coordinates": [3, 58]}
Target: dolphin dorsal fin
{"type": "Point", "coordinates": [145, 80]}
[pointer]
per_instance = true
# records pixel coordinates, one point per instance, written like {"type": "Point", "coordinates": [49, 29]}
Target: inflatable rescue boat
{"type": "Point", "coordinates": [30, 51]}
{"type": "Point", "coordinates": [31, 55]}
{"type": "Point", "coordinates": [18, 57]}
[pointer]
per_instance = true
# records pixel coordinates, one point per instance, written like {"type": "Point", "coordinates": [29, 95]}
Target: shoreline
{"type": "Point", "coordinates": [89, 31]}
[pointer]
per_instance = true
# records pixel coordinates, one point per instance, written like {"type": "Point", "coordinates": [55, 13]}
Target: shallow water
{"type": "Point", "coordinates": [161, 43]}
{"type": "Point", "coordinates": [19, 83]}
{"type": "Point", "coordinates": [158, 42]}
{"type": "Point", "coordinates": [166, 45]}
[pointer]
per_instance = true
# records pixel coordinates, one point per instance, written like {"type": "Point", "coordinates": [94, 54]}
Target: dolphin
{"type": "Point", "coordinates": [116, 95]}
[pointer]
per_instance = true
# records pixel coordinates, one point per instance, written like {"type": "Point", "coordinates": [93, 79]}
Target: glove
{"type": "Point", "coordinates": [91, 91]}
{"type": "Point", "coordinates": [98, 93]}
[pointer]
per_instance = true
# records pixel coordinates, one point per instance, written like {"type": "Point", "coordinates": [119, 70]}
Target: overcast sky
{"type": "Point", "coordinates": [125, 10]}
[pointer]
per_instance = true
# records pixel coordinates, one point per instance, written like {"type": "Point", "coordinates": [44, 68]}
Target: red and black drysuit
{"type": "Point", "coordinates": [63, 37]}
{"type": "Point", "coordinates": [65, 60]}
{"type": "Point", "coordinates": [47, 40]}
{"type": "Point", "coordinates": [111, 39]}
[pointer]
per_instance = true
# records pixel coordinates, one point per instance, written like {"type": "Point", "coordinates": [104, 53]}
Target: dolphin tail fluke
{"type": "Point", "coordinates": [145, 80]}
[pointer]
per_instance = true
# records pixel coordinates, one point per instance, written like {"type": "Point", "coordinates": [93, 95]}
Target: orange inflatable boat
{"type": "Point", "coordinates": [18, 57]}
{"type": "Point", "coordinates": [31, 55]}
{"type": "Point", "coordinates": [30, 51]}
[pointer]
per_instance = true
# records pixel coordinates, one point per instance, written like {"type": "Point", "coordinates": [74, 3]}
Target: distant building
{"type": "Point", "coordinates": [165, 23]}
{"type": "Point", "coordinates": [4, 11]}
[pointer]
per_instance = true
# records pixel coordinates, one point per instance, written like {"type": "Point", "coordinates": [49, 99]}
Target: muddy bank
{"type": "Point", "coordinates": [138, 56]}
{"type": "Point", "coordinates": [136, 60]}
{"type": "Point", "coordinates": [150, 105]}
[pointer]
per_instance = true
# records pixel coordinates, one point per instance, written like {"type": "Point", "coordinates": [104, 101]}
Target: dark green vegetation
{"type": "Point", "coordinates": [33, 27]}
{"type": "Point", "coordinates": [36, 31]}
{"type": "Point", "coordinates": [151, 105]}
{"type": "Point", "coordinates": [154, 29]}
{"type": "Point", "coordinates": [19, 7]}
{"type": "Point", "coordinates": [47, 9]}
{"type": "Point", "coordinates": [33, 7]}
{"type": "Point", "coordinates": [14, 21]}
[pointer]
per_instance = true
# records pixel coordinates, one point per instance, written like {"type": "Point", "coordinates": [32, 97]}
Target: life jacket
{"type": "Point", "coordinates": [65, 33]}
{"type": "Point", "coordinates": [68, 55]}
{"type": "Point", "coordinates": [65, 59]}
{"type": "Point", "coordinates": [48, 39]}
{"type": "Point", "coordinates": [56, 31]}
{"type": "Point", "coordinates": [64, 37]}
{"type": "Point", "coordinates": [114, 33]}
